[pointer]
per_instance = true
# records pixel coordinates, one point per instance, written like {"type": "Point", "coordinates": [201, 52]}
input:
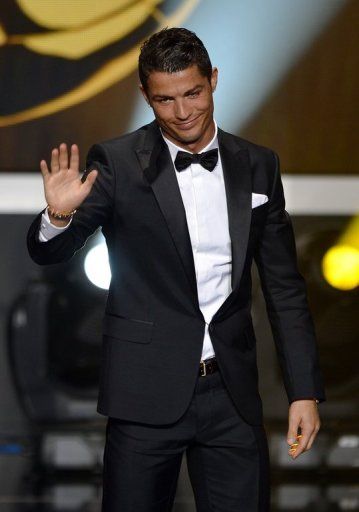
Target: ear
{"type": "Point", "coordinates": [214, 79]}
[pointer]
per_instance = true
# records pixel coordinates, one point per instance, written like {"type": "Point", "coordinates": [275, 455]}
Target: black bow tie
{"type": "Point", "coordinates": [208, 159]}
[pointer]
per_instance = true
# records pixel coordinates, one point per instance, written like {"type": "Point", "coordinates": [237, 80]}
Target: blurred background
{"type": "Point", "coordinates": [288, 79]}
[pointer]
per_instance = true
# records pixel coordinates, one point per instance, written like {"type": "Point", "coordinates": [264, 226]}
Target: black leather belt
{"type": "Point", "coordinates": [208, 366]}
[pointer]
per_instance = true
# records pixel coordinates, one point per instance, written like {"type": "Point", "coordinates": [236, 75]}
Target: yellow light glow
{"type": "Point", "coordinates": [340, 267]}
{"type": "Point", "coordinates": [82, 39]}
{"type": "Point", "coordinates": [65, 14]}
{"type": "Point", "coordinates": [3, 35]}
{"type": "Point", "coordinates": [78, 41]}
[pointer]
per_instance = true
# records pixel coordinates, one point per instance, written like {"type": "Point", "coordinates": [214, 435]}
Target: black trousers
{"type": "Point", "coordinates": [227, 459]}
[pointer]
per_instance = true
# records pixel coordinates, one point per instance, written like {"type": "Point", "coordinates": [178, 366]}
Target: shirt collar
{"type": "Point", "coordinates": [174, 148]}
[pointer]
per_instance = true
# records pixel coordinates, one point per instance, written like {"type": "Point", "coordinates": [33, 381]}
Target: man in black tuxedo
{"type": "Point", "coordinates": [185, 208]}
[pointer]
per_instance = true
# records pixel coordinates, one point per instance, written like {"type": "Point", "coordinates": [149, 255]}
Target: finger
{"type": "Point", "coordinates": [292, 436]}
{"type": "Point", "coordinates": [90, 179]}
{"type": "Point", "coordinates": [63, 159]}
{"type": "Point", "coordinates": [307, 430]}
{"type": "Point", "coordinates": [293, 447]}
{"type": "Point", "coordinates": [312, 437]}
{"type": "Point", "coordinates": [292, 429]}
{"type": "Point", "coordinates": [75, 157]}
{"type": "Point", "coordinates": [44, 169]}
{"type": "Point", "coordinates": [55, 160]}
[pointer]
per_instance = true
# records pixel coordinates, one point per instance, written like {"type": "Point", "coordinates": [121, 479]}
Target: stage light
{"type": "Point", "coordinates": [340, 267]}
{"type": "Point", "coordinates": [97, 267]}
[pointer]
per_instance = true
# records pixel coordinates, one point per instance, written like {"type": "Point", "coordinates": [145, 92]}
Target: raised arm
{"type": "Point", "coordinates": [91, 194]}
{"type": "Point", "coordinates": [64, 190]}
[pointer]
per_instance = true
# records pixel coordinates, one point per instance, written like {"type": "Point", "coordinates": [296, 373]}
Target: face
{"type": "Point", "coordinates": [182, 103]}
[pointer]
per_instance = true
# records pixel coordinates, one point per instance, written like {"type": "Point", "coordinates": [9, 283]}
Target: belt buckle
{"type": "Point", "coordinates": [203, 365]}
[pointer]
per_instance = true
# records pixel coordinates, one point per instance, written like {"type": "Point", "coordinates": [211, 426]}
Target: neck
{"type": "Point", "coordinates": [197, 145]}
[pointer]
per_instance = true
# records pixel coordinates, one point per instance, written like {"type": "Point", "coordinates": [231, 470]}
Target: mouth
{"type": "Point", "coordinates": [188, 124]}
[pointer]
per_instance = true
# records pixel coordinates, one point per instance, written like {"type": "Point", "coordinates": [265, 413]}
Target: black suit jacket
{"type": "Point", "coordinates": [153, 328]}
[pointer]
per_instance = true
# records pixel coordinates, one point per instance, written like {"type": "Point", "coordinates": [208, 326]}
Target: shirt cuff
{"type": "Point", "coordinates": [49, 230]}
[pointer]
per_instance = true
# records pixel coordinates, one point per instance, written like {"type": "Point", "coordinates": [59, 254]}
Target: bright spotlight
{"type": "Point", "coordinates": [340, 267]}
{"type": "Point", "coordinates": [97, 267]}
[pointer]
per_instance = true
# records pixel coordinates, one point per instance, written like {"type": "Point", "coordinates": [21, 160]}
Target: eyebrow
{"type": "Point", "coordinates": [187, 93]}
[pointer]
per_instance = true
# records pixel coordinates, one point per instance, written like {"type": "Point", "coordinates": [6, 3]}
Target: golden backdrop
{"type": "Point", "coordinates": [76, 49]}
{"type": "Point", "coordinates": [68, 73]}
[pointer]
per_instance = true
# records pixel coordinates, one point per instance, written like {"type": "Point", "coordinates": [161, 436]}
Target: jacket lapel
{"type": "Point", "coordinates": [157, 166]}
{"type": "Point", "coordinates": [238, 185]}
{"type": "Point", "coordinates": [156, 162]}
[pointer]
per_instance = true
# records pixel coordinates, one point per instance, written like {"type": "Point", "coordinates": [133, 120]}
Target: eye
{"type": "Point", "coordinates": [194, 94]}
{"type": "Point", "coordinates": [164, 100]}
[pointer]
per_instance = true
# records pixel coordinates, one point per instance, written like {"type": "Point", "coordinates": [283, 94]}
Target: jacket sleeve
{"type": "Point", "coordinates": [96, 210]}
{"type": "Point", "coordinates": [286, 301]}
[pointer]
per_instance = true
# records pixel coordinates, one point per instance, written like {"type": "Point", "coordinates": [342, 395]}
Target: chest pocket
{"type": "Point", "coordinates": [259, 213]}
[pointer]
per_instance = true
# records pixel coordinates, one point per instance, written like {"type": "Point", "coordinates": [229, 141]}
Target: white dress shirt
{"type": "Point", "coordinates": [204, 198]}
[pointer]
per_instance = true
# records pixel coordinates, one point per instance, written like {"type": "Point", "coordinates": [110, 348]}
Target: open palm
{"type": "Point", "coordinates": [64, 190]}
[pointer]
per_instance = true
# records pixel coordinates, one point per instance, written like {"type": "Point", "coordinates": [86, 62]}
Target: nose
{"type": "Point", "coordinates": [182, 110]}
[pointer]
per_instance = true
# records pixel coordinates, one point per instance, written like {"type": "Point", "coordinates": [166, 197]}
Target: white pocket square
{"type": "Point", "coordinates": [258, 199]}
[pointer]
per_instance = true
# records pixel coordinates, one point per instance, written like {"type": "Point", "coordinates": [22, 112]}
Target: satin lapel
{"type": "Point", "coordinates": [158, 169]}
{"type": "Point", "coordinates": [238, 186]}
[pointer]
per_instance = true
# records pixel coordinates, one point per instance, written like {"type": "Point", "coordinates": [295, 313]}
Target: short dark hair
{"type": "Point", "coordinates": [171, 50]}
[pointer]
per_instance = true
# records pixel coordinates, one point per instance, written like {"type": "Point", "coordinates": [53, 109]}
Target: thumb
{"type": "Point", "coordinates": [91, 177]}
{"type": "Point", "coordinates": [292, 431]}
